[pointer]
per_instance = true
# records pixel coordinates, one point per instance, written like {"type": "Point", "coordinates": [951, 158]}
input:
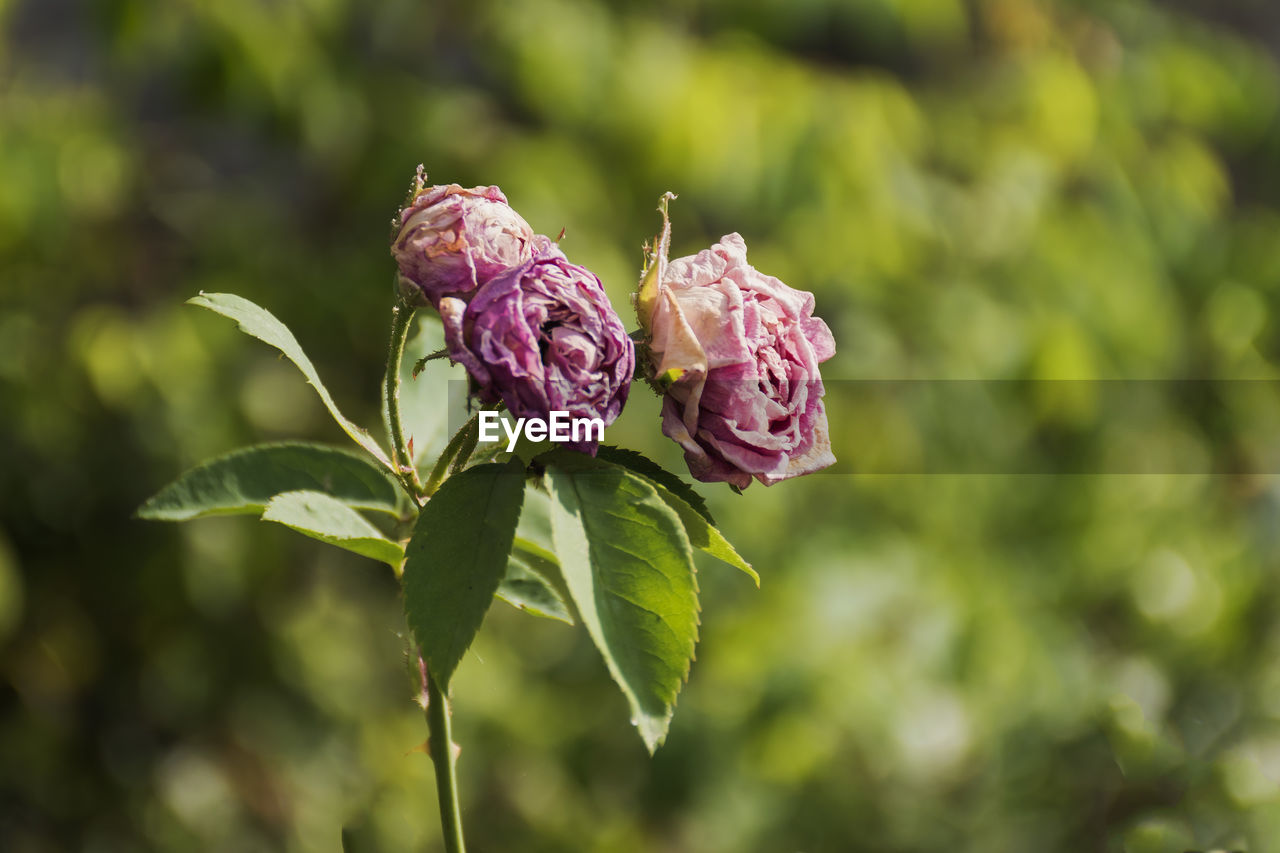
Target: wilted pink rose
{"type": "Point", "coordinates": [741, 351]}
{"type": "Point", "coordinates": [542, 337]}
{"type": "Point", "coordinates": [452, 240]}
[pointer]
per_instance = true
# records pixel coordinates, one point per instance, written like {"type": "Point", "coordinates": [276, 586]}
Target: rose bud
{"type": "Point", "coordinates": [736, 353]}
{"type": "Point", "coordinates": [542, 337]}
{"type": "Point", "coordinates": [451, 240]}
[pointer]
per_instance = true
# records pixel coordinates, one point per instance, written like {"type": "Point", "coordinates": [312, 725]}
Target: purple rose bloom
{"type": "Point", "coordinates": [542, 337]}
{"type": "Point", "coordinates": [740, 351]}
{"type": "Point", "coordinates": [451, 240]}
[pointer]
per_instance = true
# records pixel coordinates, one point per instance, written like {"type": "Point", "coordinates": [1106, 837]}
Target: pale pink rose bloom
{"type": "Point", "coordinates": [452, 240]}
{"type": "Point", "coordinates": [741, 350]}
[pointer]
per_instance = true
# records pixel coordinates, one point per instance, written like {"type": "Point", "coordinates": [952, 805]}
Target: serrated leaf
{"type": "Point", "coordinates": [244, 481]}
{"type": "Point", "coordinates": [642, 464]}
{"type": "Point", "coordinates": [702, 532]}
{"type": "Point", "coordinates": [706, 537]}
{"type": "Point", "coordinates": [457, 558]}
{"type": "Point", "coordinates": [257, 321]}
{"type": "Point", "coordinates": [680, 496]}
{"type": "Point", "coordinates": [629, 568]}
{"type": "Point", "coordinates": [524, 588]}
{"type": "Point", "coordinates": [328, 519]}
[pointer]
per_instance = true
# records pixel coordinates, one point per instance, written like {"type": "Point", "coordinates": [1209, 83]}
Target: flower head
{"type": "Point", "coordinates": [542, 337]}
{"type": "Point", "coordinates": [737, 353]}
{"type": "Point", "coordinates": [451, 240]}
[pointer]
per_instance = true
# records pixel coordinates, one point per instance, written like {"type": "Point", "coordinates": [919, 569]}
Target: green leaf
{"type": "Point", "coordinates": [642, 464]}
{"type": "Point", "coordinates": [706, 537]}
{"type": "Point", "coordinates": [526, 589]}
{"type": "Point", "coordinates": [688, 504]}
{"type": "Point", "coordinates": [629, 568]}
{"type": "Point", "coordinates": [535, 556]}
{"type": "Point", "coordinates": [457, 558]}
{"type": "Point", "coordinates": [244, 481]}
{"type": "Point", "coordinates": [261, 324]}
{"type": "Point", "coordinates": [328, 519]}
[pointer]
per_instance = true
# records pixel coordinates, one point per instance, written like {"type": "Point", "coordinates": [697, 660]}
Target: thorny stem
{"type": "Point", "coordinates": [401, 321]}
{"type": "Point", "coordinates": [443, 756]}
{"type": "Point", "coordinates": [440, 737]}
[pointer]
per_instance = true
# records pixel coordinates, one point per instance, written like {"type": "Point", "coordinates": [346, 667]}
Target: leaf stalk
{"type": "Point", "coordinates": [401, 458]}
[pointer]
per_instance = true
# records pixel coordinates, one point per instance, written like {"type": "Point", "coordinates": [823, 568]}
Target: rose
{"type": "Point", "coordinates": [451, 240]}
{"type": "Point", "coordinates": [738, 354]}
{"type": "Point", "coordinates": [542, 337]}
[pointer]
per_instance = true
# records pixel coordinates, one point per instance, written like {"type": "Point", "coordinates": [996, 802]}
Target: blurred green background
{"type": "Point", "coordinates": [1001, 189]}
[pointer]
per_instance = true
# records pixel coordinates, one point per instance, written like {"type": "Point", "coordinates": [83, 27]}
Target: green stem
{"type": "Point", "coordinates": [440, 738]}
{"type": "Point", "coordinates": [455, 455]}
{"type": "Point", "coordinates": [442, 756]}
{"type": "Point", "coordinates": [401, 322]}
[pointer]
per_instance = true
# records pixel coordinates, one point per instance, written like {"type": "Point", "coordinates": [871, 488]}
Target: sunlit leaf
{"type": "Point", "coordinates": [244, 481]}
{"type": "Point", "coordinates": [688, 504]}
{"type": "Point", "coordinates": [629, 568]}
{"type": "Point", "coordinates": [328, 519]}
{"type": "Point", "coordinates": [642, 464]}
{"type": "Point", "coordinates": [254, 320]}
